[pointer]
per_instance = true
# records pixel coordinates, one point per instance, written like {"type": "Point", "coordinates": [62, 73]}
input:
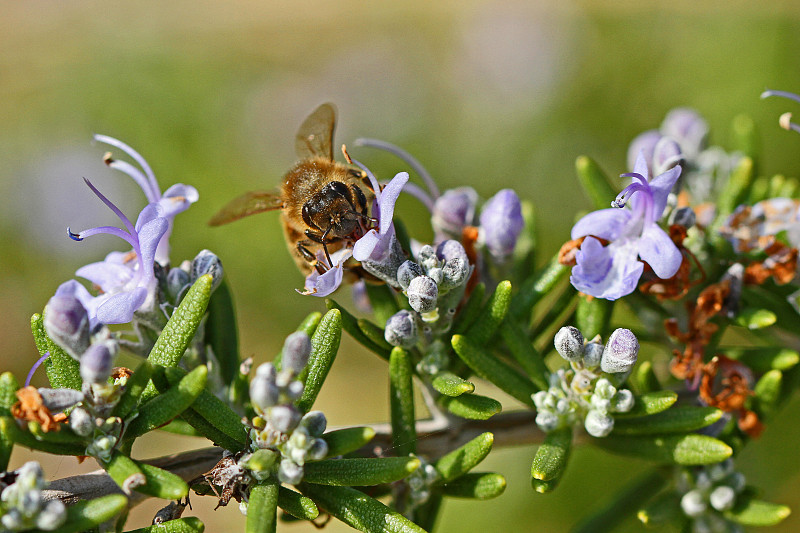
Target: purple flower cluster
{"type": "Point", "coordinates": [614, 270]}
{"type": "Point", "coordinates": [126, 279]}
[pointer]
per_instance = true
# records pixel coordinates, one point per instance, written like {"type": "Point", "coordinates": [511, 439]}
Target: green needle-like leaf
{"type": "Point", "coordinates": [492, 369]}
{"type": "Point", "coordinates": [134, 388]}
{"type": "Point", "coordinates": [676, 420]}
{"type": "Point", "coordinates": [643, 380]}
{"type": "Point", "coordinates": [669, 449]}
{"type": "Point", "coordinates": [324, 345]}
{"type": "Point", "coordinates": [383, 301]}
{"type": "Point", "coordinates": [190, 524]}
{"type": "Point", "coordinates": [662, 509]}
{"type": "Point", "coordinates": [373, 333]}
{"type": "Point", "coordinates": [524, 353]}
{"type": "Point", "coordinates": [768, 393]}
{"type": "Point", "coordinates": [532, 290]}
{"type": "Point", "coordinates": [401, 402]}
{"type": "Point", "coordinates": [222, 333]}
{"type": "Point", "coordinates": [736, 188]}
{"type": "Point", "coordinates": [9, 428]}
{"type": "Point", "coordinates": [62, 370]}
{"type": "Point", "coordinates": [449, 384]}
{"type": "Point", "coordinates": [350, 325]}
{"type": "Point", "coordinates": [552, 456]}
{"type": "Point", "coordinates": [595, 182]}
{"type": "Point", "coordinates": [593, 316]}
{"type": "Point", "coordinates": [182, 325]}
{"type": "Point", "coordinates": [480, 486]}
{"type": "Point", "coordinates": [765, 359]}
{"type": "Point", "coordinates": [622, 505]}
{"type": "Point", "coordinates": [87, 514]}
{"type": "Point", "coordinates": [650, 403]}
{"type": "Point", "coordinates": [360, 471]}
{"type": "Point", "coordinates": [153, 481]}
{"type": "Point", "coordinates": [543, 487]}
{"type": "Point", "coordinates": [469, 312]}
{"type": "Point", "coordinates": [343, 441]}
{"type": "Point", "coordinates": [8, 397]}
{"type": "Point", "coordinates": [358, 510]}
{"type": "Point", "coordinates": [212, 417]}
{"type": "Point", "coordinates": [296, 504]}
{"type": "Point", "coordinates": [492, 314]}
{"type": "Point", "coordinates": [751, 318]}
{"type": "Point", "coordinates": [262, 509]}
{"type": "Point", "coordinates": [168, 405]}
{"type": "Point", "coordinates": [162, 484]}
{"type": "Point", "coordinates": [751, 512]}
{"type": "Point", "coordinates": [307, 326]}
{"type": "Point", "coordinates": [463, 459]}
{"type": "Point", "coordinates": [472, 406]}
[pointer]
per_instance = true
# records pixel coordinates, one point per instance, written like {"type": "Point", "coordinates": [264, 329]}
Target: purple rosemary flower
{"type": "Point", "coordinates": [175, 200]}
{"type": "Point", "coordinates": [324, 284]}
{"type": "Point", "coordinates": [376, 245]}
{"type": "Point", "coordinates": [452, 211]}
{"type": "Point", "coordinates": [613, 271]}
{"type": "Point", "coordinates": [688, 129]}
{"type": "Point", "coordinates": [501, 224]}
{"type": "Point", "coordinates": [126, 279]}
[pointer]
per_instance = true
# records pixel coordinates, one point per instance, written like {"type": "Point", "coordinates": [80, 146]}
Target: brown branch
{"type": "Point", "coordinates": [513, 428]}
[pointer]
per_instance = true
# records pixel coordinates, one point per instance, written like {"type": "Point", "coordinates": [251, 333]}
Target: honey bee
{"type": "Point", "coordinates": [324, 204]}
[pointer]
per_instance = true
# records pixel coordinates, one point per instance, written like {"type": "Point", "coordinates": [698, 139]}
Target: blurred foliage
{"type": "Point", "coordinates": [483, 93]}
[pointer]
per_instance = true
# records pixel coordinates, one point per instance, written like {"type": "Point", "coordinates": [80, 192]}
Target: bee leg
{"type": "Point", "coordinates": [311, 258]}
{"type": "Point", "coordinates": [321, 240]}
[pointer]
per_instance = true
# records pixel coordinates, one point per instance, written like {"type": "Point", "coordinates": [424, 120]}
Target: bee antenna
{"type": "Point", "coordinates": [346, 155]}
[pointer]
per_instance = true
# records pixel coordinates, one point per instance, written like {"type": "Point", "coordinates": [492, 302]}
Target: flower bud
{"type": "Point", "coordinates": [263, 392]}
{"type": "Point", "coordinates": [401, 329]}
{"type": "Point", "coordinates": [57, 400]}
{"type": "Point", "coordinates": [296, 350]}
{"type": "Point", "coordinates": [598, 424]}
{"type": "Point", "coordinates": [722, 498]}
{"type": "Point", "coordinates": [693, 503]}
{"type": "Point", "coordinates": [451, 249]}
{"type": "Point", "coordinates": [266, 371]}
{"type": "Point", "coordinates": [294, 390]}
{"type": "Point", "coordinates": [592, 355]}
{"type": "Point", "coordinates": [621, 352]}
{"type": "Point", "coordinates": [177, 281]}
{"type": "Point", "coordinates": [52, 516]}
{"type": "Point", "coordinates": [683, 216]}
{"type": "Point", "coordinates": [67, 323]}
{"type": "Point", "coordinates": [453, 210]}
{"type": "Point", "coordinates": [666, 154]}
{"type": "Point", "coordinates": [290, 472]}
{"type": "Point", "coordinates": [622, 402]}
{"type": "Point", "coordinates": [644, 142]}
{"type": "Point", "coordinates": [96, 363]}
{"type": "Point", "coordinates": [422, 294]}
{"type": "Point", "coordinates": [81, 422]}
{"type": "Point", "coordinates": [569, 343]}
{"type": "Point", "coordinates": [284, 418]}
{"type": "Point", "coordinates": [436, 275]}
{"type": "Point", "coordinates": [501, 223]}
{"type": "Point", "coordinates": [315, 422]}
{"type": "Point", "coordinates": [408, 271]}
{"type": "Point", "coordinates": [456, 273]}
{"type": "Point", "coordinates": [318, 450]}
{"type": "Point", "coordinates": [427, 257]}
{"type": "Point", "coordinates": [548, 421]}
{"type": "Point", "coordinates": [688, 128]}
{"type": "Point", "coordinates": [207, 262]}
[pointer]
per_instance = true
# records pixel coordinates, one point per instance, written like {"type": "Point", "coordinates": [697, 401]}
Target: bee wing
{"type": "Point", "coordinates": [315, 136]}
{"type": "Point", "coordinates": [249, 203]}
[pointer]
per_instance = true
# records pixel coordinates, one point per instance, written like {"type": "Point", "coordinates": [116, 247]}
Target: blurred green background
{"type": "Point", "coordinates": [487, 94]}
